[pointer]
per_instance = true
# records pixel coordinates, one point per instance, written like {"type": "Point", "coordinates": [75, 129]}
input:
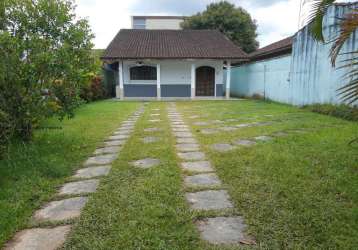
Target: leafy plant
{"type": "Point", "coordinates": [45, 59]}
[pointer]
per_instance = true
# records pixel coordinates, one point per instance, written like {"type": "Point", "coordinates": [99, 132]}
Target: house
{"type": "Point", "coordinates": [159, 63]}
{"type": "Point", "coordinates": [157, 22]}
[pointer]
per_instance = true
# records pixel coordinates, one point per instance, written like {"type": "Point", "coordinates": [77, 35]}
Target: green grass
{"type": "Point", "coordinates": [295, 192]}
{"type": "Point", "coordinates": [139, 208]}
{"type": "Point", "coordinates": [31, 172]}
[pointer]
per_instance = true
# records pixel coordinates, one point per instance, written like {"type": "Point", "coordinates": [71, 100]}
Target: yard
{"type": "Point", "coordinates": [295, 188]}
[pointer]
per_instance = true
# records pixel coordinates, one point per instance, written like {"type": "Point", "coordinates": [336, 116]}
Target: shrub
{"type": "Point", "coordinates": [94, 91]}
{"type": "Point", "coordinates": [6, 130]}
{"type": "Point", "coordinates": [45, 58]}
{"type": "Point", "coordinates": [342, 111]}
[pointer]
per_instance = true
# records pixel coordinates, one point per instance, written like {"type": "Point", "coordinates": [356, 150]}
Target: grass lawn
{"type": "Point", "coordinates": [139, 208]}
{"type": "Point", "coordinates": [297, 191]}
{"type": "Point", "coordinates": [30, 173]}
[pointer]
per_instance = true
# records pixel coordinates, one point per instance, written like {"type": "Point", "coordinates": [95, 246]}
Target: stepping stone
{"type": "Point", "coordinates": [126, 127]}
{"type": "Point", "coordinates": [150, 139]}
{"type": "Point", "coordinates": [187, 147]}
{"type": "Point", "coordinates": [246, 143]}
{"type": "Point", "coordinates": [202, 180]}
{"type": "Point", "coordinates": [39, 239]}
{"type": "Point", "coordinates": [280, 134]}
{"type": "Point", "coordinates": [183, 134]}
{"type": "Point", "coordinates": [92, 172]}
{"type": "Point", "coordinates": [209, 131]}
{"type": "Point", "coordinates": [263, 138]}
{"type": "Point", "coordinates": [201, 123]}
{"type": "Point", "coordinates": [155, 109]}
{"type": "Point", "coordinates": [114, 143]}
{"type": "Point", "coordinates": [101, 160]}
{"type": "Point", "coordinates": [197, 166]}
{"type": "Point", "coordinates": [222, 147]}
{"type": "Point", "coordinates": [186, 140]}
{"type": "Point", "coordinates": [118, 137]}
{"type": "Point", "coordinates": [232, 120]}
{"type": "Point", "coordinates": [268, 115]}
{"type": "Point", "coordinates": [223, 230]}
{"type": "Point", "coordinates": [79, 187]}
{"type": "Point", "coordinates": [209, 200]}
{"type": "Point", "coordinates": [152, 129]}
{"type": "Point", "coordinates": [61, 210]}
{"type": "Point", "coordinates": [154, 114]}
{"type": "Point", "coordinates": [194, 117]}
{"type": "Point", "coordinates": [192, 156]}
{"type": "Point", "coordinates": [107, 150]}
{"type": "Point", "coordinates": [154, 120]}
{"type": "Point", "coordinates": [228, 128]}
{"type": "Point", "coordinates": [146, 163]}
{"type": "Point", "coordinates": [180, 126]}
{"type": "Point", "coordinates": [181, 130]}
{"type": "Point", "coordinates": [123, 132]}
{"type": "Point", "coordinates": [178, 123]}
{"type": "Point", "coordinates": [218, 121]}
{"type": "Point", "coordinates": [243, 125]}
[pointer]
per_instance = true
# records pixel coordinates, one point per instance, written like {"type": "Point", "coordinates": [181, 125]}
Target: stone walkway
{"type": "Point", "coordinates": [199, 173]}
{"type": "Point", "coordinates": [71, 197]}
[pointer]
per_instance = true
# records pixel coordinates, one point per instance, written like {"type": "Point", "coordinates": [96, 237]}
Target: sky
{"type": "Point", "coordinates": [276, 19]}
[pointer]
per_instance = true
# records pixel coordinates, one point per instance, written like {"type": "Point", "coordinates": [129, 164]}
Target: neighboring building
{"type": "Point", "coordinates": [157, 22]}
{"type": "Point", "coordinates": [171, 63]}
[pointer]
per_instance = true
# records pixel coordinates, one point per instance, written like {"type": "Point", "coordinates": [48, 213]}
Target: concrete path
{"type": "Point", "coordinates": [64, 210]}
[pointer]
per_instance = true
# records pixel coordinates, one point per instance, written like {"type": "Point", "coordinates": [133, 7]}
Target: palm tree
{"type": "Point", "coordinates": [348, 25]}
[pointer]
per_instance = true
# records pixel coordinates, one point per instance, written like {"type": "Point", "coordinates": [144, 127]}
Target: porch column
{"type": "Point", "coordinates": [192, 83]}
{"type": "Point", "coordinates": [228, 78]}
{"type": "Point", "coordinates": [119, 89]}
{"type": "Point", "coordinates": [158, 82]}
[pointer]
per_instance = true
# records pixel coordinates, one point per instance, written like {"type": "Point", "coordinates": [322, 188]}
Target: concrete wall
{"type": "Point", "coordinates": [306, 76]}
{"type": "Point", "coordinates": [268, 78]}
{"type": "Point", "coordinates": [169, 24]}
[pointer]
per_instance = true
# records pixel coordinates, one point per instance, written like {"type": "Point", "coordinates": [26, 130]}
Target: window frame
{"type": "Point", "coordinates": [143, 76]}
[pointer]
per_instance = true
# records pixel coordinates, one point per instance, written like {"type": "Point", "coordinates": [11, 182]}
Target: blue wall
{"type": "Point", "coordinates": [305, 77]}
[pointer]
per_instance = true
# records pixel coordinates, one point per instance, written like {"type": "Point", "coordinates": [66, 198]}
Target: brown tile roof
{"type": "Point", "coordinates": [172, 44]}
{"type": "Point", "coordinates": [281, 47]}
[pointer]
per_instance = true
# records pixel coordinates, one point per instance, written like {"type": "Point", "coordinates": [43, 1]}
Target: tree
{"type": "Point", "coordinates": [45, 57]}
{"type": "Point", "coordinates": [348, 26]}
{"type": "Point", "coordinates": [235, 22]}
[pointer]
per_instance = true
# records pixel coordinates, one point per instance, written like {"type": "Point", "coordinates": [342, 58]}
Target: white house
{"type": "Point", "coordinates": [171, 63]}
{"type": "Point", "coordinates": [157, 22]}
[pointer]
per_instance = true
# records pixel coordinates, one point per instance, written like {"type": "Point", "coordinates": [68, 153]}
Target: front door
{"type": "Point", "coordinates": [205, 81]}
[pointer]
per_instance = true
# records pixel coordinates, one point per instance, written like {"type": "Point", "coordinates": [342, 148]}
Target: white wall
{"type": "Point", "coordinates": [175, 71]}
{"type": "Point", "coordinates": [167, 24]}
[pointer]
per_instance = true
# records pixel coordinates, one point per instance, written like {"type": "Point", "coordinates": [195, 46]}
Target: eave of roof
{"type": "Point", "coordinates": [172, 44]}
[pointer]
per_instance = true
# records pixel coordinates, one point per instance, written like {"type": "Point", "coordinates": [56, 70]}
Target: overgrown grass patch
{"type": "Point", "coordinates": [31, 172]}
{"type": "Point", "coordinates": [346, 112]}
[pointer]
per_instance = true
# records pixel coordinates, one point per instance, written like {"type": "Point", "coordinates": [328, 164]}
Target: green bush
{"type": "Point", "coordinates": [94, 91]}
{"type": "Point", "coordinates": [342, 111]}
{"type": "Point", "coordinates": [45, 59]}
{"type": "Point", "coordinates": [6, 130]}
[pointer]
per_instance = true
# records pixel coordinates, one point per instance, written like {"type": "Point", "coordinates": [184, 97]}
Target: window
{"type": "Point", "coordinates": [138, 23]}
{"type": "Point", "coordinates": [143, 73]}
